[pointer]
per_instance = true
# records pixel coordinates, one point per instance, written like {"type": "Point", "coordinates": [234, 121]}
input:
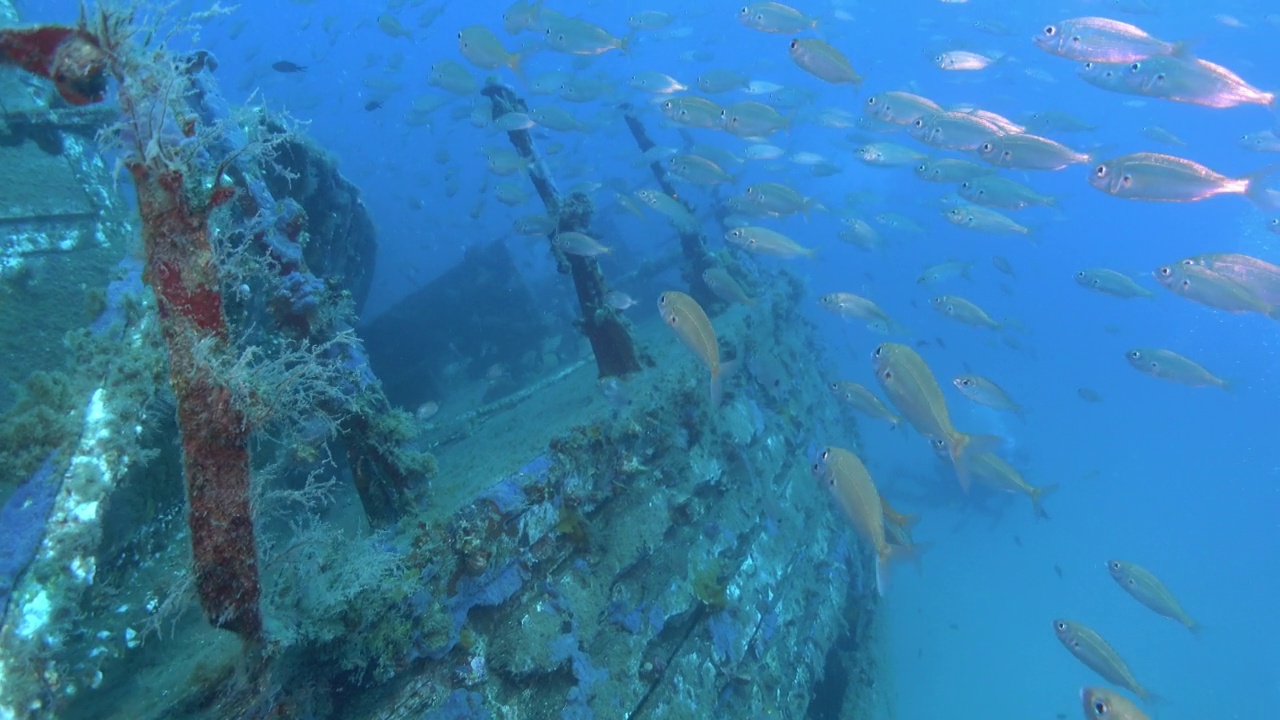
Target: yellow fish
{"type": "Point", "coordinates": [1169, 365]}
{"type": "Point", "coordinates": [1147, 589]}
{"type": "Point", "coordinates": [686, 317]}
{"type": "Point", "coordinates": [1090, 649]}
{"type": "Point", "coordinates": [912, 388]}
{"type": "Point", "coordinates": [1104, 704]}
{"type": "Point", "coordinates": [992, 470]}
{"type": "Point", "coordinates": [848, 480]}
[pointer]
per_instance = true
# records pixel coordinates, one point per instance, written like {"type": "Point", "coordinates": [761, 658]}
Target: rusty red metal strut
{"type": "Point", "coordinates": [181, 269]}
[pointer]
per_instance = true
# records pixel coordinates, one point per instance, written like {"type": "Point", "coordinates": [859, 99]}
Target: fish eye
{"type": "Point", "coordinates": [987, 147]}
{"type": "Point", "coordinates": [1081, 275]}
{"type": "Point", "coordinates": [1115, 564]}
{"type": "Point", "coordinates": [795, 44]}
{"type": "Point", "coordinates": [1135, 67]}
{"type": "Point", "coordinates": [1050, 30]}
{"type": "Point", "coordinates": [1165, 270]}
{"type": "Point", "coordinates": [919, 122]}
{"type": "Point", "coordinates": [1100, 171]}
{"type": "Point", "coordinates": [1088, 66]}
{"type": "Point", "coordinates": [1135, 355]}
{"type": "Point", "coordinates": [1060, 625]}
{"type": "Point", "coordinates": [871, 100]}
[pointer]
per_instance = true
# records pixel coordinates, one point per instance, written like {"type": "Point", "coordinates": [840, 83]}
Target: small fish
{"type": "Point", "coordinates": [656, 83]}
{"type": "Point", "coordinates": [618, 300]}
{"type": "Point", "coordinates": [752, 119]}
{"type": "Point", "coordinates": [720, 80]}
{"type": "Point", "coordinates": [898, 107]}
{"type": "Point", "coordinates": [512, 121]}
{"type": "Point", "coordinates": [693, 111]}
{"type": "Point", "coordinates": [720, 282]}
{"type": "Point", "coordinates": [1088, 395]}
{"type": "Point", "coordinates": [945, 271]}
{"type": "Point", "coordinates": [1053, 120]}
{"type": "Point", "coordinates": [686, 317]}
{"type": "Point", "coordinates": [863, 400]}
{"type": "Point", "coordinates": [539, 224]}
{"type": "Point", "coordinates": [1001, 192]}
{"type": "Point", "coordinates": [520, 15]}
{"type": "Point", "coordinates": [774, 17]}
{"type": "Point", "coordinates": [823, 61]}
{"type": "Point", "coordinates": [962, 60]}
{"type": "Point", "coordinates": [1090, 649]}
{"type": "Point", "coordinates": [1262, 141]}
{"type": "Point", "coordinates": [1001, 263]}
{"type": "Point", "coordinates": [1162, 136]}
{"type": "Point", "coordinates": [1193, 81]}
{"type": "Point", "coordinates": [1164, 178]}
{"type": "Point", "coordinates": [887, 154]}
{"type": "Point", "coordinates": [1057, 569]}
{"type": "Point", "coordinates": [986, 392]}
{"type": "Point", "coordinates": [1147, 589]}
{"type": "Point", "coordinates": [984, 219]}
{"type": "Point", "coordinates": [697, 170]}
{"type": "Point", "coordinates": [962, 310]}
{"type": "Point", "coordinates": [1258, 276]}
{"type": "Point", "coordinates": [576, 243]}
{"type": "Point", "coordinates": [671, 208]}
{"type": "Point", "coordinates": [390, 25]}
{"type": "Point", "coordinates": [1169, 365]}
{"type": "Point", "coordinates": [1104, 704]}
{"type": "Point", "coordinates": [849, 482]}
{"type": "Point", "coordinates": [374, 104]}
{"type": "Point", "coordinates": [650, 20]}
{"type": "Point", "coordinates": [764, 241]}
{"type": "Point", "coordinates": [1206, 286]}
{"type": "Point", "coordinates": [953, 130]}
{"type": "Point", "coordinates": [991, 470]}
{"type": "Point", "coordinates": [453, 77]}
{"type": "Point", "coordinates": [483, 49]}
{"type": "Point", "coordinates": [850, 306]}
{"type": "Point", "coordinates": [285, 66]}
{"type": "Point", "coordinates": [579, 37]}
{"type": "Point", "coordinates": [778, 199]}
{"type": "Point", "coordinates": [950, 170]}
{"type": "Point", "coordinates": [1029, 152]}
{"type": "Point", "coordinates": [1112, 283]}
{"type": "Point", "coordinates": [1096, 39]}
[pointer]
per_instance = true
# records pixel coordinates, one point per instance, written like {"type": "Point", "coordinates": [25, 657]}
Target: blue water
{"type": "Point", "coordinates": [1185, 481]}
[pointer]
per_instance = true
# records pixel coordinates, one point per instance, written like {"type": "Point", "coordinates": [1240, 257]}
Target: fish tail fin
{"type": "Point", "coordinates": [718, 375]}
{"type": "Point", "coordinates": [1038, 495]}
{"type": "Point", "coordinates": [811, 252]}
{"type": "Point", "coordinates": [1274, 312]}
{"type": "Point", "coordinates": [1196, 628]}
{"type": "Point", "coordinates": [1256, 191]}
{"type": "Point", "coordinates": [514, 61]}
{"type": "Point", "coordinates": [883, 558]}
{"type": "Point", "coordinates": [624, 43]}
